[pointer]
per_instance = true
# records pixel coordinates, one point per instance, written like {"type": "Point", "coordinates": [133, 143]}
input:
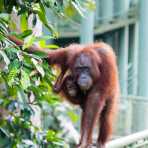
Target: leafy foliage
{"type": "Point", "coordinates": [26, 79]}
{"type": "Point", "coordinates": [25, 82]}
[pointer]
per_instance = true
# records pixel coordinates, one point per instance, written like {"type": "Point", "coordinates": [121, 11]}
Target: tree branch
{"type": "Point", "coordinates": [32, 48]}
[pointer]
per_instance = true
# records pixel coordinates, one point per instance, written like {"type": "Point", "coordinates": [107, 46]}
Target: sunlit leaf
{"type": "Point", "coordinates": [73, 116]}
{"type": "Point", "coordinates": [5, 17]}
{"type": "Point", "coordinates": [12, 24]}
{"type": "Point", "coordinates": [12, 75]}
{"type": "Point", "coordinates": [90, 4]}
{"type": "Point", "coordinates": [70, 10]}
{"type": "Point", "coordinates": [24, 22]}
{"type": "Point", "coordinates": [77, 8]}
{"type": "Point", "coordinates": [52, 136]}
{"type": "Point", "coordinates": [25, 34]}
{"type": "Point", "coordinates": [13, 71]}
{"type": "Point", "coordinates": [50, 46]}
{"type": "Point", "coordinates": [29, 41]}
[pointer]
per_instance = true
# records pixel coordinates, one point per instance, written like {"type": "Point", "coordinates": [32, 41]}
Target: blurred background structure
{"type": "Point", "coordinates": [123, 25]}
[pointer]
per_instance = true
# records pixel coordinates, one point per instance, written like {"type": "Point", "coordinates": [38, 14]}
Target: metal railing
{"type": "Point", "coordinates": [137, 140]}
{"type": "Point", "coordinates": [130, 108]}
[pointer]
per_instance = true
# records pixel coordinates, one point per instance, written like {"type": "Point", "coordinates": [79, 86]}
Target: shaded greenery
{"type": "Point", "coordinates": [25, 82]}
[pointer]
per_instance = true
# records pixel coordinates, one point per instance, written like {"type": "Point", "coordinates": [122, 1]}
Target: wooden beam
{"type": "Point", "coordinates": [101, 28]}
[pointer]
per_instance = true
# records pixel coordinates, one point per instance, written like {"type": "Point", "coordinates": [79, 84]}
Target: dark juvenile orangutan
{"type": "Point", "coordinates": [89, 78]}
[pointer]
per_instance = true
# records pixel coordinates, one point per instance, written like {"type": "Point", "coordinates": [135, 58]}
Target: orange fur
{"type": "Point", "coordinates": [101, 101]}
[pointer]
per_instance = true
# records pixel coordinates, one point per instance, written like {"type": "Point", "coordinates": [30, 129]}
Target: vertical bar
{"type": "Point", "coordinates": [109, 38]}
{"type": "Point", "coordinates": [143, 49]}
{"type": "Point", "coordinates": [123, 75]}
{"type": "Point", "coordinates": [133, 59]}
{"type": "Point", "coordinates": [141, 108]}
{"type": "Point", "coordinates": [123, 60]}
{"type": "Point", "coordinates": [106, 10]}
{"type": "Point", "coordinates": [121, 7]}
{"type": "Point", "coordinates": [87, 27]}
{"type": "Point", "coordinates": [97, 13]}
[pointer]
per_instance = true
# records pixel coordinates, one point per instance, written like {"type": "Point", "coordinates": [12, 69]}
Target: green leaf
{"type": "Point", "coordinates": [38, 67]}
{"type": "Point", "coordinates": [25, 34]}
{"type": "Point", "coordinates": [4, 131]}
{"type": "Point", "coordinates": [13, 71]}
{"type": "Point", "coordinates": [90, 5]}
{"type": "Point", "coordinates": [6, 59]}
{"type": "Point", "coordinates": [1, 5]}
{"type": "Point", "coordinates": [22, 97]}
{"type": "Point", "coordinates": [29, 143]}
{"type": "Point", "coordinates": [36, 55]}
{"type": "Point", "coordinates": [52, 136]}
{"type": "Point", "coordinates": [29, 41]}
{"type": "Point", "coordinates": [5, 17]}
{"type": "Point", "coordinates": [70, 10]}
{"type": "Point", "coordinates": [77, 8]}
{"type": "Point", "coordinates": [73, 116]}
{"type": "Point", "coordinates": [24, 21]}
{"type": "Point", "coordinates": [39, 55]}
{"type": "Point", "coordinates": [2, 38]}
{"type": "Point", "coordinates": [39, 9]}
{"type": "Point", "coordinates": [44, 37]}
{"type": "Point", "coordinates": [41, 13]}
{"type": "Point", "coordinates": [50, 46]}
{"type": "Point", "coordinates": [11, 77]}
{"type": "Point", "coordinates": [25, 80]}
{"type": "Point", "coordinates": [12, 52]}
{"type": "Point", "coordinates": [12, 24]}
{"type": "Point", "coordinates": [13, 91]}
